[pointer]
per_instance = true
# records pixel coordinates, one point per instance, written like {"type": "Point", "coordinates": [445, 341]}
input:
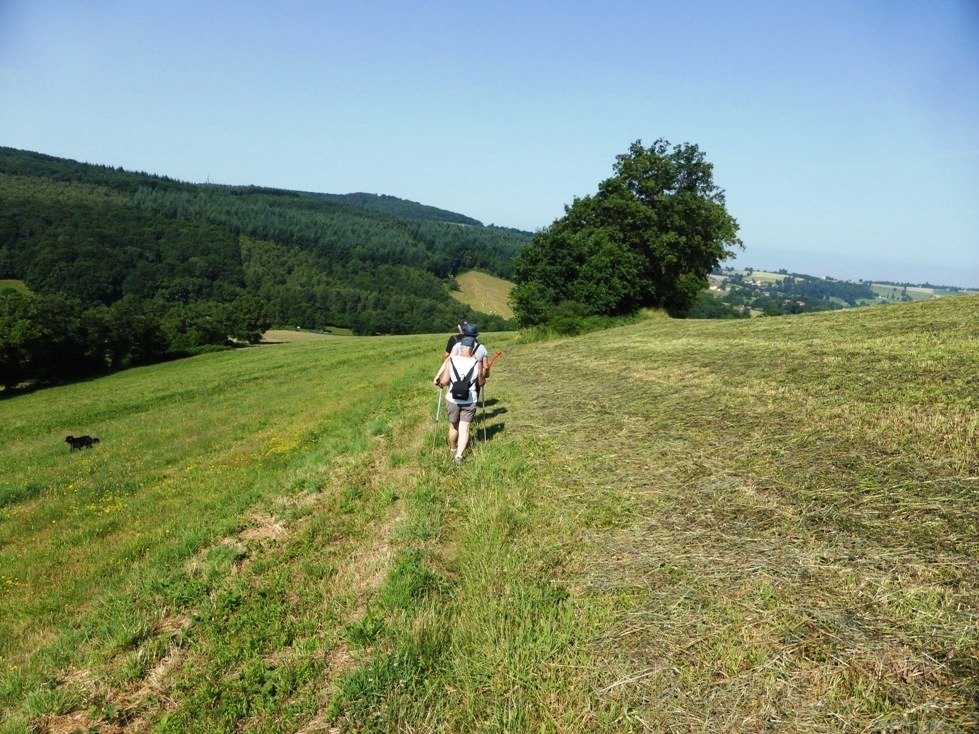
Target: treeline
{"type": "Point", "coordinates": [400, 208]}
{"type": "Point", "coordinates": [301, 290]}
{"type": "Point", "coordinates": [808, 287]}
{"type": "Point", "coordinates": [46, 339]}
{"type": "Point", "coordinates": [96, 235]}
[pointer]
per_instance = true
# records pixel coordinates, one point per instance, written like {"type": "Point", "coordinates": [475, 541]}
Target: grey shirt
{"type": "Point", "coordinates": [480, 354]}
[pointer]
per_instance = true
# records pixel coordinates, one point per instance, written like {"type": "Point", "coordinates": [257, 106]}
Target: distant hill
{"type": "Point", "coordinates": [751, 292]}
{"type": "Point", "coordinates": [374, 264]}
{"type": "Point", "coordinates": [401, 208]}
{"type": "Point", "coordinates": [484, 293]}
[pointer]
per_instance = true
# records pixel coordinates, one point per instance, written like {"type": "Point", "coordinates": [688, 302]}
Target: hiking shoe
{"type": "Point", "coordinates": [457, 461]}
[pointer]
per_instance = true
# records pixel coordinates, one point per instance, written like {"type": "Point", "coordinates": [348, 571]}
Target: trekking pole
{"type": "Point", "coordinates": [482, 410]}
{"type": "Point", "coordinates": [482, 393]}
{"type": "Point", "coordinates": [438, 416]}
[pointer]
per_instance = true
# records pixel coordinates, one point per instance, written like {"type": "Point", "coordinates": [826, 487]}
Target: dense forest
{"type": "Point", "coordinates": [86, 237]}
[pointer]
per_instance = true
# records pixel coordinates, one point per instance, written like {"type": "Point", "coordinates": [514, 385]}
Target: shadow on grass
{"type": "Point", "coordinates": [486, 415]}
{"type": "Point", "coordinates": [486, 433]}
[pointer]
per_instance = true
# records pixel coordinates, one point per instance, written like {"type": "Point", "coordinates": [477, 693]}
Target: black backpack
{"type": "Point", "coordinates": [461, 386]}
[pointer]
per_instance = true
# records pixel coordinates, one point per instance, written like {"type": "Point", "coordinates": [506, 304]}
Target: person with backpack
{"type": "Point", "coordinates": [462, 373]}
{"type": "Point", "coordinates": [454, 339]}
{"type": "Point", "coordinates": [479, 350]}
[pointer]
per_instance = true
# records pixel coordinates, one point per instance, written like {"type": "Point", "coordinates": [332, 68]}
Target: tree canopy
{"type": "Point", "coordinates": [374, 264]}
{"type": "Point", "coordinates": [648, 238]}
{"type": "Point", "coordinates": [126, 268]}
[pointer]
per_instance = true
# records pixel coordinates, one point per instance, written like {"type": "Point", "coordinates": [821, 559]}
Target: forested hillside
{"type": "Point", "coordinates": [370, 263]}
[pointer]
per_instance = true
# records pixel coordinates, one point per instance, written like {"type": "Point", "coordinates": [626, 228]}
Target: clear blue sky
{"type": "Point", "coordinates": [846, 134]}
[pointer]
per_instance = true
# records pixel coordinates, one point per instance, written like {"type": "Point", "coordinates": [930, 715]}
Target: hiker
{"type": "Point", "coordinates": [454, 339]}
{"type": "Point", "coordinates": [462, 374]}
{"type": "Point", "coordinates": [480, 352]}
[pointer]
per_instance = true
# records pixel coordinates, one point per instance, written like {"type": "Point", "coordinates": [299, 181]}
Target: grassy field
{"type": "Point", "coordinates": [767, 525]}
{"type": "Point", "coordinates": [891, 292]}
{"type": "Point", "coordinates": [762, 276]}
{"type": "Point", "coordinates": [17, 285]}
{"type": "Point", "coordinates": [484, 292]}
{"type": "Point", "coordinates": [290, 336]}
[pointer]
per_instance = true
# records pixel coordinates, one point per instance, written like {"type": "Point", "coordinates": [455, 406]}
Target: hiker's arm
{"type": "Point", "coordinates": [441, 374]}
{"type": "Point", "coordinates": [487, 364]}
{"type": "Point", "coordinates": [481, 374]}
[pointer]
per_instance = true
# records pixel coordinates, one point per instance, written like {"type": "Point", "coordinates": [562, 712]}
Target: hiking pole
{"type": "Point", "coordinates": [482, 393]}
{"type": "Point", "coordinates": [482, 410]}
{"type": "Point", "coordinates": [438, 416]}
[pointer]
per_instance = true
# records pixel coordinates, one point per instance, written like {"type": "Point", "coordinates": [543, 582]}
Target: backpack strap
{"type": "Point", "coordinates": [452, 366]}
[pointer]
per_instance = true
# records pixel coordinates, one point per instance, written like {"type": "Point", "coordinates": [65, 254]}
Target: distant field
{"type": "Point", "coordinates": [279, 336]}
{"type": "Point", "coordinates": [762, 276]}
{"type": "Point", "coordinates": [888, 292]}
{"type": "Point", "coordinates": [17, 285]}
{"type": "Point", "coordinates": [484, 292]}
{"type": "Point", "coordinates": [915, 293]}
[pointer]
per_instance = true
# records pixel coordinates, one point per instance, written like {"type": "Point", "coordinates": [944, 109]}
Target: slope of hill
{"type": "Point", "coordinates": [484, 292]}
{"type": "Point", "coordinates": [373, 264]}
{"type": "Point", "coordinates": [764, 525]}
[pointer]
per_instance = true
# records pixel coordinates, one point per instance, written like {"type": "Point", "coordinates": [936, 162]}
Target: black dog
{"type": "Point", "coordinates": [80, 442]}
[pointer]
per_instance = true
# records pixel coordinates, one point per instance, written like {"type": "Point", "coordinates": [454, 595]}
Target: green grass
{"type": "Point", "coordinates": [891, 292]}
{"type": "Point", "coordinates": [17, 285]}
{"type": "Point", "coordinates": [485, 293]}
{"type": "Point", "coordinates": [102, 549]}
{"type": "Point", "coordinates": [289, 336]}
{"type": "Point", "coordinates": [797, 541]}
{"type": "Point", "coordinates": [766, 525]}
{"type": "Point", "coordinates": [762, 276]}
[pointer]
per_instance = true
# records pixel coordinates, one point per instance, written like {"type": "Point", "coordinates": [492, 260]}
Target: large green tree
{"type": "Point", "coordinates": [649, 237]}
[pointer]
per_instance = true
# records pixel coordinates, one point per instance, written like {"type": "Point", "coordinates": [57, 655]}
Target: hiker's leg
{"type": "Point", "coordinates": [454, 435]}
{"type": "Point", "coordinates": [466, 416]}
{"type": "Point", "coordinates": [463, 437]}
{"type": "Point", "coordinates": [453, 413]}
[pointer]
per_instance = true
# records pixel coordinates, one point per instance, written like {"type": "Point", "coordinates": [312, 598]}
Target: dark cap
{"type": "Point", "coordinates": [467, 342]}
{"type": "Point", "coordinates": [470, 330]}
{"type": "Point", "coordinates": [462, 323]}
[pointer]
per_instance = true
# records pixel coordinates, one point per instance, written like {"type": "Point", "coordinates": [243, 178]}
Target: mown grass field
{"type": "Point", "coordinates": [484, 292]}
{"type": "Point", "coordinates": [766, 525]}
